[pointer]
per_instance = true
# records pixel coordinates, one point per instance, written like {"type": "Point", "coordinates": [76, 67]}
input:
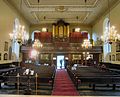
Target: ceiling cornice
{"type": "Point", "coordinates": [14, 8]}
{"type": "Point", "coordinates": [80, 24]}
{"type": "Point", "coordinates": [105, 12]}
{"type": "Point", "coordinates": [27, 2]}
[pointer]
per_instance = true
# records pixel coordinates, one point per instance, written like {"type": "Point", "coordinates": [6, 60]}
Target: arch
{"type": "Point", "coordinates": [94, 37]}
{"type": "Point", "coordinates": [106, 46]}
{"type": "Point", "coordinates": [10, 53]}
{"type": "Point", "coordinates": [89, 36]}
{"type": "Point", "coordinates": [15, 44]}
{"type": "Point", "coordinates": [32, 35]}
{"type": "Point", "coordinates": [16, 24]}
{"type": "Point", "coordinates": [5, 56]}
{"type": "Point", "coordinates": [106, 27]}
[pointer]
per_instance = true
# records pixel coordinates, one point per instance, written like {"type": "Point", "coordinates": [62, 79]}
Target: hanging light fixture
{"type": "Point", "coordinates": [37, 44]}
{"type": "Point", "coordinates": [20, 34]}
{"type": "Point", "coordinates": [86, 44]}
{"type": "Point", "coordinates": [38, 12]}
{"type": "Point", "coordinates": [77, 29]}
{"type": "Point", "coordinates": [112, 35]}
{"type": "Point", "coordinates": [85, 17]}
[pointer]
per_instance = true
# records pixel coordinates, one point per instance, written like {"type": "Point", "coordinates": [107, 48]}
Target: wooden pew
{"type": "Point", "coordinates": [44, 75]}
{"type": "Point", "coordinates": [5, 72]}
{"type": "Point", "coordinates": [89, 75]}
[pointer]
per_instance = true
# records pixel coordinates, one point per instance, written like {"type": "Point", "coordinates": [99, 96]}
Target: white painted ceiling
{"type": "Point", "coordinates": [71, 11]}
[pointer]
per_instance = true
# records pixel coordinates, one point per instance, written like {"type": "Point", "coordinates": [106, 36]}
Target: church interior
{"type": "Point", "coordinates": [59, 48]}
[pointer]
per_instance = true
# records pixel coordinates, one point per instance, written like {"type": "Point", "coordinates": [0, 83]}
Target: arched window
{"type": "Point", "coordinates": [94, 36]}
{"type": "Point", "coordinates": [10, 53]}
{"type": "Point", "coordinates": [89, 36]}
{"type": "Point", "coordinates": [32, 35]}
{"type": "Point", "coordinates": [107, 46]}
{"type": "Point", "coordinates": [15, 45]}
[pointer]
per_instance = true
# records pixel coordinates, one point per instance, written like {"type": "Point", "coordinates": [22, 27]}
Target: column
{"type": "Point", "coordinates": [56, 31]}
{"type": "Point", "coordinates": [53, 30]}
{"type": "Point", "coordinates": [68, 30]}
{"type": "Point", "coordinates": [52, 59]}
{"type": "Point", "coordinates": [65, 31]}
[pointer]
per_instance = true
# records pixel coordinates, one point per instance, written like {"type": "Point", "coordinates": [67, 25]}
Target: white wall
{"type": "Point", "coordinates": [114, 19]}
{"type": "Point", "coordinates": [7, 17]}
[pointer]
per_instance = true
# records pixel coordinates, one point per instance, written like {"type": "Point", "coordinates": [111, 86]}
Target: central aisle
{"type": "Point", "coordinates": [63, 85]}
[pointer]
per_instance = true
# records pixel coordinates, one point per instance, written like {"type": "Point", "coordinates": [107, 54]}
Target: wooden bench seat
{"type": "Point", "coordinates": [44, 76]}
{"type": "Point", "coordinates": [90, 76]}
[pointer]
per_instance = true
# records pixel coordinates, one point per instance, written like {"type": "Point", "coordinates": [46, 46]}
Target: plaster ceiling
{"type": "Point", "coordinates": [71, 11]}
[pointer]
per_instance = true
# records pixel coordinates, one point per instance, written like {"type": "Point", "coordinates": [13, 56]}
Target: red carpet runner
{"type": "Point", "coordinates": [63, 85]}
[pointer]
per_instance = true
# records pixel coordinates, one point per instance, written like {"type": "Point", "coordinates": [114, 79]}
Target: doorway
{"type": "Point", "coordinates": [60, 62]}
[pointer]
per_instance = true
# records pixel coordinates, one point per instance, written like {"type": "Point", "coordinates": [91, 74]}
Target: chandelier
{"type": "Point", "coordinates": [19, 35]}
{"type": "Point", "coordinates": [37, 44]}
{"type": "Point", "coordinates": [111, 35]}
{"type": "Point", "coordinates": [35, 51]}
{"type": "Point", "coordinates": [86, 44]}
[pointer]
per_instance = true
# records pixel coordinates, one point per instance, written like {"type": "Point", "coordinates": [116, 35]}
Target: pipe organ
{"type": "Point", "coordinates": [60, 29]}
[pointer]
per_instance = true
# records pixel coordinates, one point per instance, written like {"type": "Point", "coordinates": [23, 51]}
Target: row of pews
{"type": "Point", "coordinates": [41, 76]}
{"type": "Point", "coordinates": [92, 76]}
{"type": "Point", "coordinates": [5, 72]}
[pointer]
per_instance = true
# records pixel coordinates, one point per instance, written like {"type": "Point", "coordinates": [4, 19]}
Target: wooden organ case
{"type": "Point", "coordinates": [60, 31]}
